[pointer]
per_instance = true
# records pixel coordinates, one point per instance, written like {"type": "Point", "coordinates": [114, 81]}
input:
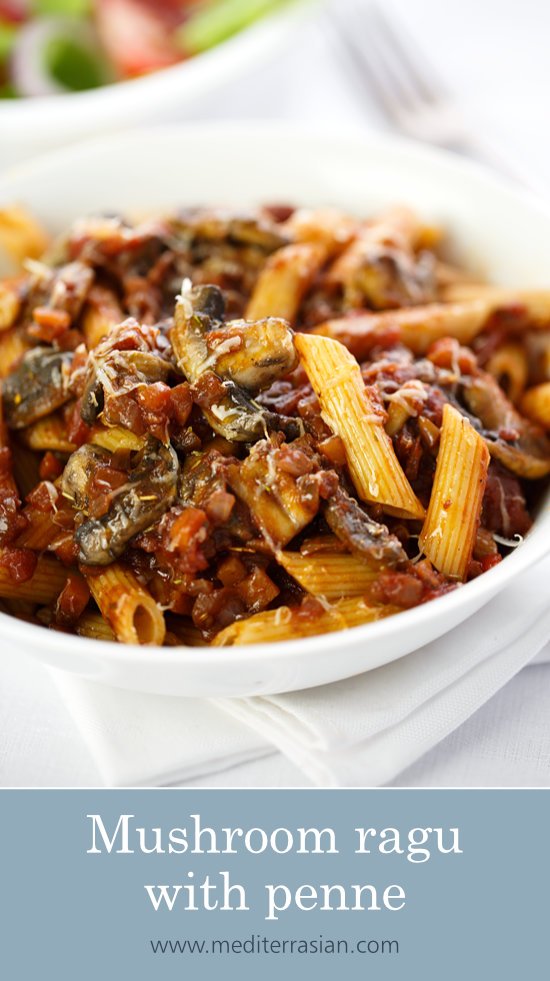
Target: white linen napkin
{"type": "Point", "coordinates": [359, 732]}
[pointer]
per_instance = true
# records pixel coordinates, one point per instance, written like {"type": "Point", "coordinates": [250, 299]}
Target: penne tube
{"type": "Point", "coordinates": [449, 532]}
{"type": "Point", "coordinates": [346, 407]}
{"type": "Point", "coordinates": [328, 574]}
{"type": "Point", "coordinates": [182, 632]}
{"type": "Point", "coordinates": [21, 237]}
{"type": "Point", "coordinates": [273, 496]}
{"type": "Point", "coordinates": [22, 609]}
{"type": "Point", "coordinates": [101, 313]}
{"type": "Point", "coordinates": [40, 531]}
{"type": "Point", "coordinates": [94, 327]}
{"type": "Point", "coordinates": [43, 587]}
{"type": "Point", "coordinates": [448, 276]}
{"type": "Point", "coordinates": [332, 228]}
{"type": "Point", "coordinates": [25, 468]}
{"type": "Point", "coordinates": [116, 438]}
{"type": "Point", "coordinates": [534, 304]}
{"type": "Point", "coordinates": [416, 327]}
{"type": "Point", "coordinates": [94, 625]}
{"type": "Point", "coordinates": [284, 280]}
{"type": "Point", "coordinates": [461, 290]}
{"type": "Point", "coordinates": [397, 228]}
{"type": "Point", "coordinates": [10, 305]}
{"type": "Point", "coordinates": [13, 345]}
{"type": "Point", "coordinates": [288, 623]}
{"type": "Point", "coordinates": [49, 433]}
{"type": "Point", "coordinates": [535, 404]}
{"type": "Point", "coordinates": [510, 366]}
{"type": "Point", "coordinates": [128, 607]}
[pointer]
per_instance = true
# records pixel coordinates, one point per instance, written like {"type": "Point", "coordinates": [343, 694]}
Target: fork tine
{"type": "Point", "coordinates": [420, 72]}
{"type": "Point", "coordinates": [369, 59]}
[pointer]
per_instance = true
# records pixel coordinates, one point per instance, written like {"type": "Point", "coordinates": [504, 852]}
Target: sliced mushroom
{"type": "Point", "coordinates": [218, 357]}
{"type": "Point", "coordinates": [149, 492]}
{"type": "Point", "coordinates": [37, 387]}
{"type": "Point", "coordinates": [78, 471]}
{"type": "Point", "coordinates": [219, 226]}
{"type": "Point", "coordinates": [252, 355]}
{"type": "Point", "coordinates": [360, 533]}
{"type": "Point", "coordinates": [527, 452]}
{"type": "Point", "coordinates": [112, 371]}
{"type": "Point", "coordinates": [70, 288]}
{"type": "Point", "coordinates": [388, 278]}
{"type": "Point", "coordinates": [116, 373]}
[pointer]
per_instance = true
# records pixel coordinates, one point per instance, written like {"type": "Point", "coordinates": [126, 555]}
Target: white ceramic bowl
{"type": "Point", "coordinates": [492, 224]}
{"type": "Point", "coordinates": [29, 126]}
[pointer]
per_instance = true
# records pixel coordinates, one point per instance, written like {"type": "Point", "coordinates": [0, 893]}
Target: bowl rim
{"type": "Point", "coordinates": [531, 551]}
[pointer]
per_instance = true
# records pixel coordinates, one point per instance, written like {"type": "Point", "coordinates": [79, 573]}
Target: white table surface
{"type": "Point", "coordinates": [493, 53]}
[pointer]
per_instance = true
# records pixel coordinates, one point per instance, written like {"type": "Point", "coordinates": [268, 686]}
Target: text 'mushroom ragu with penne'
{"type": "Point", "coordinates": [228, 428]}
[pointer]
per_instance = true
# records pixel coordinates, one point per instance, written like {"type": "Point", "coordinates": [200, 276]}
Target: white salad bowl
{"type": "Point", "coordinates": [492, 225]}
{"type": "Point", "coordinates": [32, 125]}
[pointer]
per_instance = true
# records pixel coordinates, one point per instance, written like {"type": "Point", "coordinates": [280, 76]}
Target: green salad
{"type": "Point", "coordinates": [55, 46]}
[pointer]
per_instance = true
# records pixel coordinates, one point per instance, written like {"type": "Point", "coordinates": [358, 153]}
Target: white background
{"type": "Point", "coordinates": [494, 55]}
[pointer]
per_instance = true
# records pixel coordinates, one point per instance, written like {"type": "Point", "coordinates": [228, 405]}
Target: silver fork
{"type": "Point", "coordinates": [406, 87]}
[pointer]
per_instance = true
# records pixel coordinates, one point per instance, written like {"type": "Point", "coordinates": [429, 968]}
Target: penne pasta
{"type": "Point", "coordinates": [533, 304]}
{"type": "Point", "coordinates": [535, 404]}
{"type": "Point", "coordinates": [182, 633]}
{"type": "Point", "coordinates": [449, 531]}
{"type": "Point", "coordinates": [396, 228]}
{"type": "Point", "coordinates": [329, 574]}
{"type": "Point", "coordinates": [416, 327]}
{"type": "Point", "coordinates": [10, 305]}
{"type": "Point", "coordinates": [345, 405]}
{"type": "Point", "coordinates": [43, 587]}
{"type": "Point", "coordinates": [48, 434]}
{"type": "Point", "coordinates": [128, 607]}
{"type": "Point", "coordinates": [23, 609]}
{"type": "Point", "coordinates": [25, 468]}
{"type": "Point", "coordinates": [40, 531]}
{"type": "Point", "coordinates": [100, 315]}
{"type": "Point", "coordinates": [13, 345]}
{"type": "Point", "coordinates": [285, 278]}
{"type": "Point", "coordinates": [274, 500]}
{"type": "Point", "coordinates": [287, 623]}
{"type": "Point", "coordinates": [94, 327]}
{"type": "Point", "coordinates": [332, 228]}
{"type": "Point", "coordinates": [94, 625]}
{"type": "Point", "coordinates": [21, 237]}
{"type": "Point", "coordinates": [116, 438]}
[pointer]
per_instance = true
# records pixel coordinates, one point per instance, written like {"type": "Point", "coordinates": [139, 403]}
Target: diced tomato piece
{"type": "Point", "coordinates": [43, 497]}
{"type": "Point", "coordinates": [49, 324]}
{"type": "Point", "coordinates": [181, 403]}
{"type": "Point", "coordinates": [50, 467]}
{"type": "Point", "coordinates": [190, 525]}
{"type": "Point", "coordinates": [136, 36]}
{"type": "Point", "coordinates": [105, 480]}
{"type": "Point", "coordinates": [72, 600]}
{"type": "Point", "coordinates": [20, 562]}
{"type": "Point", "coordinates": [77, 430]}
{"type": "Point", "coordinates": [154, 398]}
{"type": "Point", "coordinates": [14, 11]}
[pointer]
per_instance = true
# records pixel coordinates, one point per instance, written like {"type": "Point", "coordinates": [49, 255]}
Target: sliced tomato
{"type": "Point", "coordinates": [14, 11]}
{"type": "Point", "coordinates": [137, 35]}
